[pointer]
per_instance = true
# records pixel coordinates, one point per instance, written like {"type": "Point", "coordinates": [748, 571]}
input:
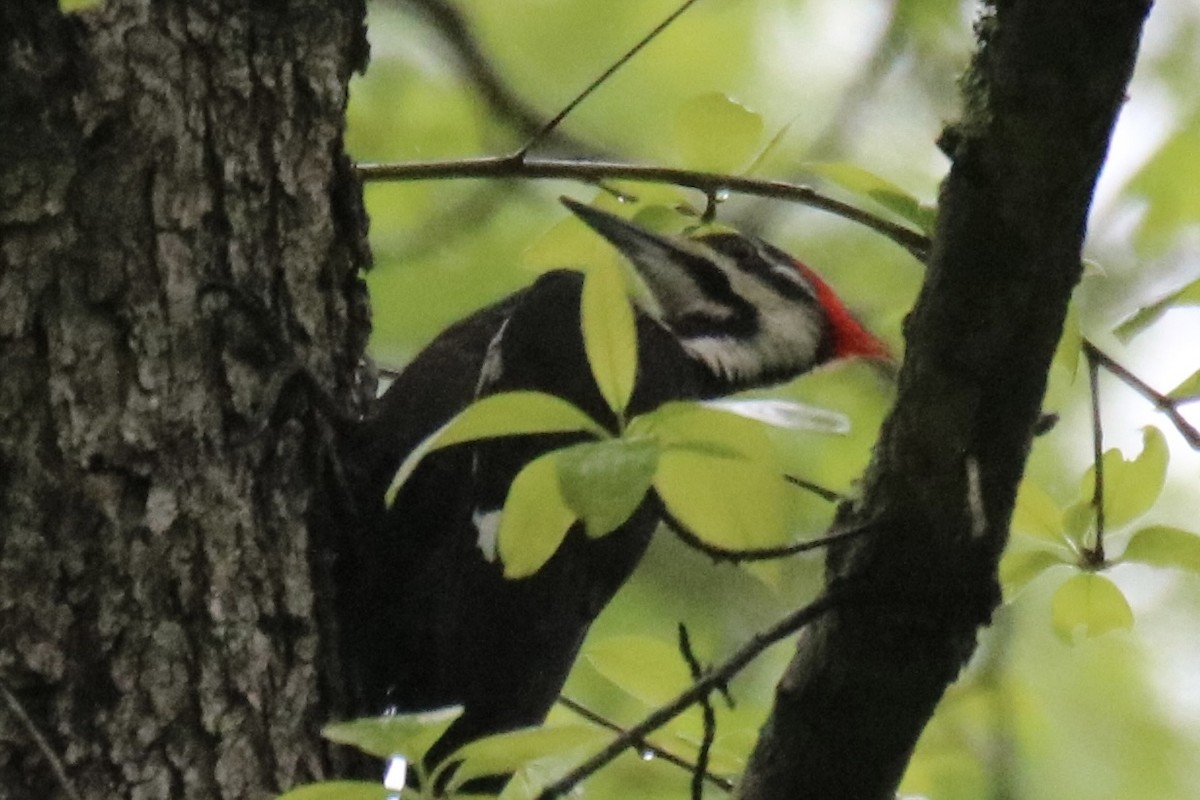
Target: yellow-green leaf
{"type": "Point", "coordinates": [664, 219]}
{"type": "Point", "coordinates": [1089, 603]}
{"type": "Point", "coordinates": [504, 414]}
{"type": "Point", "coordinates": [1130, 487]}
{"type": "Point", "coordinates": [1188, 390]}
{"type": "Point", "coordinates": [603, 483]}
{"type": "Point", "coordinates": [535, 519]}
{"type": "Point", "coordinates": [609, 334]}
{"type": "Point", "coordinates": [1164, 546]}
{"type": "Point", "coordinates": [1019, 567]}
{"type": "Point", "coordinates": [703, 428]}
{"type": "Point", "coordinates": [716, 133]}
{"type": "Point", "coordinates": [1168, 178]}
{"type": "Point", "coordinates": [502, 753]}
{"type": "Point", "coordinates": [1037, 515]}
{"type": "Point", "coordinates": [644, 667]}
{"type": "Point", "coordinates": [1144, 317]}
{"type": "Point", "coordinates": [568, 243]}
{"type": "Point", "coordinates": [407, 735]}
{"type": "Point", "coordinates": [730, 503]}
{"type": "Point", "coordinates": [1070, 344]}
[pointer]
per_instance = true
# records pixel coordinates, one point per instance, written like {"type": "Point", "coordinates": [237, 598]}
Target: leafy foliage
{"type": "Point", "coordinates": [1024, 721]}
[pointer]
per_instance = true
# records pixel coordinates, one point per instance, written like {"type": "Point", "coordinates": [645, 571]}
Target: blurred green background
{"type": "Point", "coordinates": [869, 83]}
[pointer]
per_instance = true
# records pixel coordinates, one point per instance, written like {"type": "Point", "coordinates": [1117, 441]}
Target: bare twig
{"type": "Point", "coordinates": [503, 101]}
{"type": "Point", "coordinates": [1095, 554]}
{"type": "Point", "coordinates": [710, 714]}
{"type": "Point", "coordinates": [711, 679]}
{"type": "Point", "coordinates": [819, 491]}
{"type": "Point", "coordinates": [517, 166]}
{"type": "Point", "coordinates": [758, 554]}
{"type": "Point", "coordinates": [56, 765]}
{"type": "Point", "coordinates": [604, 76]}
{"type": "Point", "coordinates": [642, 746]}
{"type": "Point", "coordinates": [1160, 401]}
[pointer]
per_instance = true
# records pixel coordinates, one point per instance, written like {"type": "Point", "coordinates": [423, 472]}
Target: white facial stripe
{"type": "Point", "coordinates": [785, 344]}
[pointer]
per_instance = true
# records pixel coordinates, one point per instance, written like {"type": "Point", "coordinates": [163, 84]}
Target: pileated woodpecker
{"type": "Point", "coordinates": [430, 619]}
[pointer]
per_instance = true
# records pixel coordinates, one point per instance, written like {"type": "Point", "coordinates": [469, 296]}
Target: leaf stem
{"type": "Point", "coordinates": [1095, 554]}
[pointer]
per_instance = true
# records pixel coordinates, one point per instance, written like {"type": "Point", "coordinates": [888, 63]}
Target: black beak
{"type": "Point", "coordinates": [673, 271]}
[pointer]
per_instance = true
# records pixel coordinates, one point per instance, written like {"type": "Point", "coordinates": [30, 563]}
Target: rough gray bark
{"type": "Point", "coordinates": [179, 230]}
{"type": "Point", "coordinates": [1042, 96]}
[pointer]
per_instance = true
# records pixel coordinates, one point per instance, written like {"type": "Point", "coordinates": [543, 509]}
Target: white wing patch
{"type": "Point", "coordinates": [487, 524]}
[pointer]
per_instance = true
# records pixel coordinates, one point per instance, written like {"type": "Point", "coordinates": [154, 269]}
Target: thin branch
{"type": "Point", "coordinates": [643, 746]}
{"type": "Point", "coordinates": [819, 491]}
{"type": "Point", "coordinates": [56, 765]}
{"type": "Point", "coordinates": [710, 183]}
{"type": "Point", "coordinates": [757, 554]}
{"type": "Point", "coordinates": [1096, 554]}
{"type": "Point", "coordinates": [1160, 401]}
{"type": "Point", "coordinates": [711, 679]}
{"type": "Point", "coordinates": [503, 101]}
{"type": "Point", "coordinates": [710, 714]}
{"type": "Point", "coordinates": [604, 76]}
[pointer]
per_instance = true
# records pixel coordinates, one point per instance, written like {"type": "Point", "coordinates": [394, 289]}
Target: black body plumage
{"type": "Point", "coordinates": [431, 622]}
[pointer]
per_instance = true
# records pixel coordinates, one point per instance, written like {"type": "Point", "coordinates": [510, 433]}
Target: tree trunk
{"type": "Point", "coordinates": [1041, 99]}
{"type": "Point", "coordinates": [180, 232]}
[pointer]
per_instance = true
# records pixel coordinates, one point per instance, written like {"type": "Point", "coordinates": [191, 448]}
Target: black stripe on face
{"type": "Point", "coordinates": [739, 317]}
{"type": "Point", "coordinates": [765, 263]}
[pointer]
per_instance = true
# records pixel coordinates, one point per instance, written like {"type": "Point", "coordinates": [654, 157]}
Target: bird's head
{"type": "Point", "coordinates": [748, 311]}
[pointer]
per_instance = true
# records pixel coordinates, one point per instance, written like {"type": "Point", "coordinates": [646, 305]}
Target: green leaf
{"type": "Point", "coordinates": [535, 519]}
{"type": "Point", "coordinates": [1168, 181]}
{"type": "Point", "coordinates": [1078, 520]}
{"type": "Point", "coordinates": [1130, 487]}
{"type": "Point", "coordinates": [706, 429]}
{"type": "Point", "coordinates": [666, 220]}
{"type": "Point", "coordinates": [1070, 345]}
{"type": "Point", "coordinates": [730, 503]}
{"type": "Point", "coordinates": [1091, 602]}
{"type": "Point", "coordinates": [716, 133]}
{"type": "Point", "coordinates": [609, 335]}
{"type": "Point", "coordinates": [1036, 515]}
{"type": "Point", "coordinates": [507, 752]}
{"type": "Point", "coordinates": [1019, 567]}
{"type": "Point", "coordinates": [1164, 546]}
{"type": "Point", "coordinates": [339, 790]}
{"type": "Point", "coordinates": [603, 483]}
{"type": "Point", "coordinates": [569, 242]}
{"type": "Point", "coordinates": [887, 194]}
{"type": "Point", "coordinates": [644, 667]}
{"type": "Point", "coordinates": [407, 735]}
{"type": "Point", "coordinates": [1188, 390]}
{"type": "Point", "coordinates": [504, 414]}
